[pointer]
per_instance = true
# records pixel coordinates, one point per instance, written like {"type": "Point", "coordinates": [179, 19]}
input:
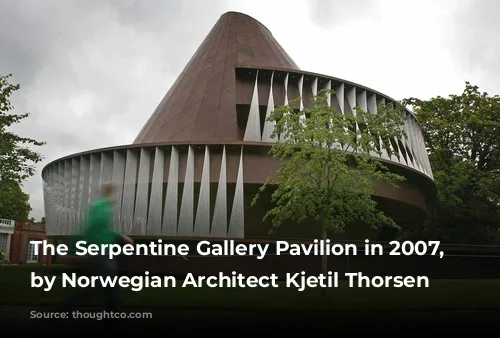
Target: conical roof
{"type": "Point", "coordinates": [201, 104]}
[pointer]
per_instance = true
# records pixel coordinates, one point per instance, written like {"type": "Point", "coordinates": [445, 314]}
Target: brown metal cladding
{"type": "Point", "coordinates": [201, 104]}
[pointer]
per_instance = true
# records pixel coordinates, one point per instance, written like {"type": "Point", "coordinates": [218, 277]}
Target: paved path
{"type": "Point", "coordinates": [211, 321]}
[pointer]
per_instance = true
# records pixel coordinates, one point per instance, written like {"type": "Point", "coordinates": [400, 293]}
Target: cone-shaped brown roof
{"type": "Point", "coordinates": [201, 104]}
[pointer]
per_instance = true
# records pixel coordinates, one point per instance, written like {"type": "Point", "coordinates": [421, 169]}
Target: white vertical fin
{"type": "Point", "coordinates": [252, 131]}
{"type": "Point", "coordinates": [407, 142]}
{"type": "Point", "coordinates": [74, 203]}
{"type": "Point", "coordinates": [302, 117]}
{"type": "Point", "coordinates": [185, 226]}
{"type": "Point", "coordinates": [58, 189]}
{"type": "Point", "coordinates": [282, 137]}
{"type": "Point", "coordinates": [118, 177]}
{"type": "Point", "coordinates": [269, 125]}
{"type": "Point", "coordinates": [237, 222]}
{"type": "Point", "coordinates": [95, 177]}
{"type": "Point", "coordinates": [155, 201]}
{"type": "Point", "coordinates": [67, 196]}
{"type": "Point", "coordinates": [106, 168]}
{"type": "Point", "coordinates": [202, 222]}
{"type": "Point", "coordinates": [351, 99]}
{"type": "Point", "coordinates": [412, 146]}
{"type": "Point", "coordinates": [314, 86]}
{"type": "Point", "coordinates": [169, 225]}
{"type": "Point", "coordinates": [372, 109]}
{"type": "Point", "coordinates": [142, 194]}
{"type": "Point", "coordinates": [339, 92]}
{"type": "Point", "coordinates": [362, 103]}
{"type": "Point", "coordinates": [48, 198]}
{"type": "Point", "coordinates": [84, 189]}
{"type": "Point", "coordinates": [129, 187]}
{"type": "Point", "coordinates": [328, 86]}
{"type": "Point", "coordinates": [219, 222]}
{"type": "Point", "coordinates": [385, 150]}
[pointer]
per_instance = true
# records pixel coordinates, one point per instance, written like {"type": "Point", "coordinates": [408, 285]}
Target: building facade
{"type": "Point", "coordinates": [16, 242]}
{"type": "Point", "coordinates": [22, 246]}
{"type": "Point", "coordinates": [195, 166]}
{"type": "Point", "coordinates": [7, 227]}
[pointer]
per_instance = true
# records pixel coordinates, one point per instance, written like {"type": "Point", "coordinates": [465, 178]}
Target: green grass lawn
{"type": "Point", "coordinates": [441, 295]}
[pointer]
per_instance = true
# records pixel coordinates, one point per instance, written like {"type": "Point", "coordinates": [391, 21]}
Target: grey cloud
{"type": "Point", "coordinates": [144, 14]}
{"type": "Point", "coordinates": [329, 13]}
{"type": "Point", "coordinates": [473, 41]}
{"type": "Point", "coordinates": [23, 47]}
{"type": "Point", "coordinates": [92, 72]}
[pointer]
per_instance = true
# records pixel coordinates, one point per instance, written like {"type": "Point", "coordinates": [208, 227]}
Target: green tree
{"type": "Point", "coordinates": [462, 133]}
{"type": "Point", "coordinates": [327, 174]}
{"type": "Point", "coordinates": [14, 203]}
{"type": "Point", "coordinates": [17, 158]}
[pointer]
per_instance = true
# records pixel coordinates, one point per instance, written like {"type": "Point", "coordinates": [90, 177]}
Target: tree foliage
{"type": "Point", "coordinates": [327, 173]}
{"type": "Point", "coordinates": [17, 157]}
{"type": "Point", "coordinates": [14, 203]}
{"type": "Point", "coordinates": [462, 134]}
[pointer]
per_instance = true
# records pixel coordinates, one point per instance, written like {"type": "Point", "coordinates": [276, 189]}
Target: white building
{"type": "Point", "coordinates": [7, 227]}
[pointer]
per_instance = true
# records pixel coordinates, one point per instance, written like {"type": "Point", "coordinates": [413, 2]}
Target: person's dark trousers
{"type": "Point", "coordinates": [104, 268]}
{"type": "Point", "coordinates": [112, 294]}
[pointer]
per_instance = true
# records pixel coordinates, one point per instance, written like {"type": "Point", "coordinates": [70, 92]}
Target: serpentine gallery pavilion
{"type": "Point", "coordinates": [195, 166]}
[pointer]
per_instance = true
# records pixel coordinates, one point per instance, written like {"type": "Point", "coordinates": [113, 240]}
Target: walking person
{"type": "Point", "coordinates": [98, 230]}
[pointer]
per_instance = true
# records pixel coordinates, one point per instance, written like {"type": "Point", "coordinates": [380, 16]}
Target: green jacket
{"type": "Point", "coordinates": [97, 229]}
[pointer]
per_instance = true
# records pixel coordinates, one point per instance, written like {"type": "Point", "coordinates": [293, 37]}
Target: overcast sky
{"type": "Point", "coordinates": [93, 71]}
